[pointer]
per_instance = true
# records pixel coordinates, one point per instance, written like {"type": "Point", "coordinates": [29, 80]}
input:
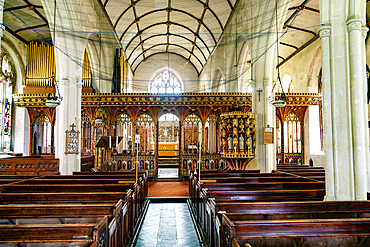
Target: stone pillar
{"type": "Point", "coordinates": [69, 112]}
{"type": "Point", "coordinates": [324, 33]}
{"type": "Point", "coordinates": [265, 114]}
{"type": "Point", "coordinates": [344, 101]}
{"type": "Point", "coordinates": [357, 87]}
{"type": "Point", "coordinates": [270, 119]}
{"type": "Point", "coordinates": [366, 109]}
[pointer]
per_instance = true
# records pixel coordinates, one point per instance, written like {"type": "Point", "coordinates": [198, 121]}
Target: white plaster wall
{"type": "Point", "coordinates": [183, 70]}
{"type": "Point", "coordinates": [299, 67]}
{"type": "Point", "coordinates": [312, 141]}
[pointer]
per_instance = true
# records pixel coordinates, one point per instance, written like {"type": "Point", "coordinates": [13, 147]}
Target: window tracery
{"type": "Point", "coordinates": [166, 82]}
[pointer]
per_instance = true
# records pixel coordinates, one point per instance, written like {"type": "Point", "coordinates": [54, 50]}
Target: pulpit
{"type": "Point", "coordinates": [105, 148]}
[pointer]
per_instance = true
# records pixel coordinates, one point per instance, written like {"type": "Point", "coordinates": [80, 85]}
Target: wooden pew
{"type": "Point", "coordinates": [194, 189]}
{"type": "Point", "coordinates": [80, 234]}
{"type": "Point", "coordinates": [282, 210]}
{"type": "Point", "coordinates": [249, 187]}
{"type": "Point", "coordinates": [68, 214]}
{"type": "Point", "coordinates": [296, 232]}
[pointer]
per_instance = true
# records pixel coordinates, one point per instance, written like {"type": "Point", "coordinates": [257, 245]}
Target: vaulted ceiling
{"type": "Point", "coordinates": [189, 29]}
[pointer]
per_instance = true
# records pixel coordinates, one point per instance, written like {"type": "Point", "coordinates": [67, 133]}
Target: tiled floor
{"type": "Point", "coordinates": [168, 173]}
{"type": "Point", "coordinates": [167, 225]}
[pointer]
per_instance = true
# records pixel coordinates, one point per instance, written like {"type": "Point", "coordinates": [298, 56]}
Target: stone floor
{"type": "Point", "coordinates": [168, 173]}
{"type": "Point", "coordinates": [167, 225]}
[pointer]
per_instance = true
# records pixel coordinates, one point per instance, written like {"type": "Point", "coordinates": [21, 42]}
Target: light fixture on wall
{"type": "Point", "coordinates": [54, 101]}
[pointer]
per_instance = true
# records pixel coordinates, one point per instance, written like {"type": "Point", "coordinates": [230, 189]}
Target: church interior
{"type": "Point", "coordinates": [184, 123]}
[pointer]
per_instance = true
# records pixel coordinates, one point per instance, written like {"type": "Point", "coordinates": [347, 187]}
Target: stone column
{"type": "Point", "coordinates": [270, 119]}
{"type": "Point", "coordinates": [69, 112]}
{"type": "Point", "coordinates": [357, 87]}
{"type": "Point", "coordinates": [324, 33]}
{"type": "Point", "coordinates": [366, 109]}
{"type": "Point", "coordinates": [265, 114]}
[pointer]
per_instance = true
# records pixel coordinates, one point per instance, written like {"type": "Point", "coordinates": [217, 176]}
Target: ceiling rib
{"type": "Point", "coordinates": [30, 27]}
{"type": "Point", "coordinates": [36, 11]}
{"type": "Point", "coordinates": [16, 35]}
{"type": "Point", "coordinates": [297, 10]}
{"type": "Point", "coordinates": [21, 7]}
{"type": "Point", "coordinates": [171, 34]}
{"type": "Point", "coordinates": [170, 10]}
{"type": "Point", "coordinates": [289, 45]}
{"type": "Point", "coordinates": [134, 3]}
{"type": "Point", "coordinates": [305, 8]}
{"type": "Point", "coordinates": [169, 53]}
{"type": "Point", "coordinates": [302, 30]}
{"type": "Point", "coordinates": [163, 23]}
{"type": "Point", "coordinates": [231, 6]}
{"type": "Point", "coordinates": [162, 44]}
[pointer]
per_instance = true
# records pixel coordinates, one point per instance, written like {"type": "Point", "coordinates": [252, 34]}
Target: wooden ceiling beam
{"type": "Point", "coordinates": [302, 30]}
{"type": "Point", "coordinates": [32, 7]}
{"type": "Point", "coordinates": [289, 45]}
{"type": "Point", "coordinates": [305, 8]}
{"type": "Point", "coordinates": [16, 35]}
{"type": "Point", "coordinates": [30, 27]}
{"type": "Point", "coordinates": [299, 50]}
{"type": "Point", "coordinates": [22, 7]}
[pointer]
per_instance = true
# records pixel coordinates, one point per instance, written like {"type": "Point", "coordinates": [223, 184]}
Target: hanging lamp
{"type": "Point", "coordinates": [54, 101]}
{"type": "Point", "coordinates": [281, 100]}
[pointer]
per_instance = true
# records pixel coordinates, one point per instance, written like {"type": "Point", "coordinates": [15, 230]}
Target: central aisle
{"type": "Point", "coordinates": [167, 224]}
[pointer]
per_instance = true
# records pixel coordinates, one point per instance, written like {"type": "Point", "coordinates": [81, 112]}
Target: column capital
{"type": "Point", "coordinates": [324, 31]}
{"type": "Point", "coordinates": [354, 25]}
{"type": "Point", "coordinates": [78, 84]}
{"type": "Point", "coordinates": [266, 81]}
{"type": "Point", "coordinates": [64, 82]}
{"type": "Point", "coordinates": [364, 32]}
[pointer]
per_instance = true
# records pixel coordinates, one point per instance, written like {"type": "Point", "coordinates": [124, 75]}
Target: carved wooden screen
{"type": "Point", "coordinates": [86, 135]}
{"type": "Point", "coordinates": [145, 127]}
{"type": "Point", "coordinates": [290, 134]}
{"type": "Point", "coordinates": [42, 136]}
{"type": "Point", "coordinates": [123, 127]}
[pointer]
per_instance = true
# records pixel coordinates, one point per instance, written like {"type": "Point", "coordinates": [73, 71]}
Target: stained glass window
{"type": "Point", "coordinates": [5, 105]}
{"type": "Point", "coordinates": [165, 82]}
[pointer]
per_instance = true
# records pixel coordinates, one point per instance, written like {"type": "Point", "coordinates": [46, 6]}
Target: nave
{"type": "Point", "coordinates": [223, 209]}
{"type": "Point", "coordinates": [168, 224]}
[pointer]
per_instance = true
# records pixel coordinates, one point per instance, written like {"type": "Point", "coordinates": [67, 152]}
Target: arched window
{"type": "Point", "coordinates": [165, 82]}
{"type": "Point", "coordinates": [287, 84]}
{"type": "Point", "coordinates": [6, 93]}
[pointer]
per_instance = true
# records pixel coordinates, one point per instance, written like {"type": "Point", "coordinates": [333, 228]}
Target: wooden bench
{"type": "Point", "coordinates": [296, 232]}
{"type": "Point", "coordinates": [71, 214]}
{"type": "Point", "coordinates": [76, 234]}
{"type": "Point", "coordinates": [281, 210]}
{"type": "Point", "coordinates": [87, 163]}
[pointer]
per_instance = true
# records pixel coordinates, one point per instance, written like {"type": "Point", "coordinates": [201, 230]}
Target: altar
{"type": "Point", "coordinates": [167, 148]}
